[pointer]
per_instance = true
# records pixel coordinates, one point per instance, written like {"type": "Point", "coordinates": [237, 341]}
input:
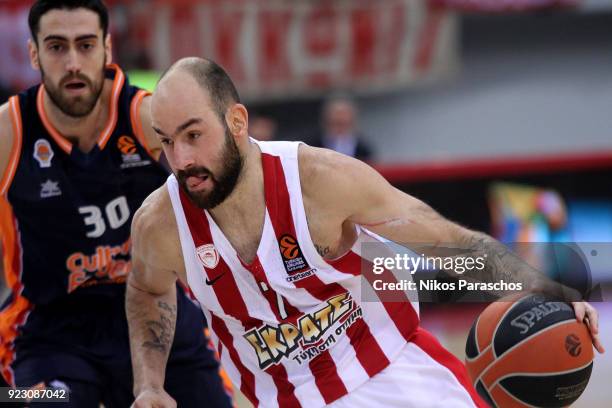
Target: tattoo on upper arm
{"type": "Point", "coordinates": [161, 331]}
{"type": "Point", "coordinates": [323, 251]}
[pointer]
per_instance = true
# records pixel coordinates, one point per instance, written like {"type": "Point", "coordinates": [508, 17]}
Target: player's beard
{"type": "Point", "coordinates": [223, 183]}
{"type": "Point", "coordinates": [74, 106]}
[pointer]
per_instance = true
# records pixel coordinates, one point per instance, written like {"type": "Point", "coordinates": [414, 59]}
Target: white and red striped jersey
{"type": "Point", "coordinates": [290, 327]}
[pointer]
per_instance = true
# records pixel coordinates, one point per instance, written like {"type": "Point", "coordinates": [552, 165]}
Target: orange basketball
{"type": "Point", "coordinates": [529, 352]}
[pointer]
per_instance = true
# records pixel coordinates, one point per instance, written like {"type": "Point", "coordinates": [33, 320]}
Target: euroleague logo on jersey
{"type": "Point", "coordinates": [126, 145]}
{"type": "Point", "coordinates": [129, 153]}
{"type": "Point", "coordinates": [295, 264]}
{"type": "Point", "coordinates": [289, 247]}
{"type": "Point", "coordinates": [43, 152]}
{"type": "Point", "coordinates": [292, 254]}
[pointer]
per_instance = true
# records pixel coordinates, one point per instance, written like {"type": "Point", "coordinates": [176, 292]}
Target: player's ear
{"type": "Point", "coordinates": [33, 52]}
{"type": "Point", "coordinates": [108, 49]}
{"type": "Point", "coordinates": [237, 119]}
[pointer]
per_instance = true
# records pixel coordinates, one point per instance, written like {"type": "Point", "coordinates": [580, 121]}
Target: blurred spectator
{"type": "Point", "coordinates": [15, 69]}
{"type": "Point", "coordinates": [262, 128]}
{"type": "Point", "coordinates": [339, 129]}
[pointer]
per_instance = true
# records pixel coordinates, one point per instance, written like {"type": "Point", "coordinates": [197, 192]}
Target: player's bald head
{"type": "Point", "coordinates": [211, 78]}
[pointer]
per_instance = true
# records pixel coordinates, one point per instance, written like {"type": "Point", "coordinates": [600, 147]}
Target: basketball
{"type": "Point", "coordinates": [529, 352]}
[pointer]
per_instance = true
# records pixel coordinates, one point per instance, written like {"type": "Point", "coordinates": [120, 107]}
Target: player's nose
{"type": "Point", "coordinates": [183, 155]}
{"type": "Point", "coordinates": [73, 63]}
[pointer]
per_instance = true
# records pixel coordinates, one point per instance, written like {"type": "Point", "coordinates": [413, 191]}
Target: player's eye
{"type": "Point", "coordinates": [87, 46]}
{"type": "Point", "coordinates": [167, 142]}
{"type": "Point", "coordinates": [55, 47]}
{"type": "Point", "coordinates": [193, 135]}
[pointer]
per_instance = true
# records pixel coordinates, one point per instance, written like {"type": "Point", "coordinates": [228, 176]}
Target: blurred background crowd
{"type": "Point", "coordinates": [495, 112]}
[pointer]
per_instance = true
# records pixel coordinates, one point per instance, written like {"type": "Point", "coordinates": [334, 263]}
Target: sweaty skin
{"type": "Point", "coordinates": [338, 192]}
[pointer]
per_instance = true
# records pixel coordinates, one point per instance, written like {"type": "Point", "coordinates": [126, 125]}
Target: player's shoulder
{"type": "Point", "coordinates": [314, 162]}
{"type": "Point", "coordinates": [326, 169]}
{"type": "Point", "coordinates": [155, 235]}
{"type": "Point", "coordinates": [5, 121]}
{"type": "Point", "coordinates": [340, 183]}
{"type": "Point", "coordinates": [7, 138]}
{"type": "Point", "coordinates": [144, 113]}
{"type": "Point", "coordinates": [144, 116]}
{"type": "Point", "coordinates": [4, 108]}
{"type": "Point", "coordinates": [145, 106]}
{"type": "Point", "coordinates": [154, 220]}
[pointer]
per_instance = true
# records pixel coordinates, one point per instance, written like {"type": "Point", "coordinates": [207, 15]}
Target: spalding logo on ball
{"type": "Point", "coordinates": [529, 351]}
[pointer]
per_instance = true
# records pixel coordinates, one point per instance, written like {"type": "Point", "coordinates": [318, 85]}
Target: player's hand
{"type": "Point", "coordinates": [588, 314]}
{"type": "Point", "coordinates": [154, 398]}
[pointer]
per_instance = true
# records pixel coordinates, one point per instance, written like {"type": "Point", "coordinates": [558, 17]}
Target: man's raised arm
{"type": "Point", "coordinates": [362, 196]}
{"type": "Point", "coordinates": [151, 303]}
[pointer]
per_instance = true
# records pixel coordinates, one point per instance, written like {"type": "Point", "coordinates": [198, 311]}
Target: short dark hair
{"type": "Point", "coordinates": [212, 78]}
{"type": "Point", "coordinates": [41, 7]}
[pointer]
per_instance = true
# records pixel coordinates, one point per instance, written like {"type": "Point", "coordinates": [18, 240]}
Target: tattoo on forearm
{"type": "Point", "coordinates": [161, 332]}
{"type": "Point", "coordinates": [323, 251]}
{"type": "Point", "coordinates": [501, 263]}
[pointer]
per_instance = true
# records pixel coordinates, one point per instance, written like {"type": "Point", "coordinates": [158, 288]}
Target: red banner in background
{"type": "Point", "coordinates": [299, 48]}
{"type": "Point", "coordinates": [271, 48]}
{"type": "Point", "coordinates": [15, 69]}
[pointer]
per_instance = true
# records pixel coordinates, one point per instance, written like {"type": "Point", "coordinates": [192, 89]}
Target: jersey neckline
{"type": "Point", "coordinates": [60, 139]}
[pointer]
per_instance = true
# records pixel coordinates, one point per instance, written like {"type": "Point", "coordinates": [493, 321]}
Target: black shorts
{"type": "Point", "coordinates": [83, 345]}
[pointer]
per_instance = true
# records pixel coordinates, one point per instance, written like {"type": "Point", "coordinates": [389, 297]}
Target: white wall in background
{"type": "Point", "coordinates": [502, 103]}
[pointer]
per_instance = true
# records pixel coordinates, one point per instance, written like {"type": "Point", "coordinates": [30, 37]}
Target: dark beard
{"type": "Point", "coordinates": [74, 107]}
{"type": "Point", "coordinates": [223, 184]}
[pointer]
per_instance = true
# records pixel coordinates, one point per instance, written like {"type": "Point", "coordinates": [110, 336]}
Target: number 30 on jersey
{"type": "Point", "coordinates": [116, 211]}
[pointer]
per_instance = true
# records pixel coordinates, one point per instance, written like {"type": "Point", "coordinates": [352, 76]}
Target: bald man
{"type": "Point", "coordinates": [268, 236]}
